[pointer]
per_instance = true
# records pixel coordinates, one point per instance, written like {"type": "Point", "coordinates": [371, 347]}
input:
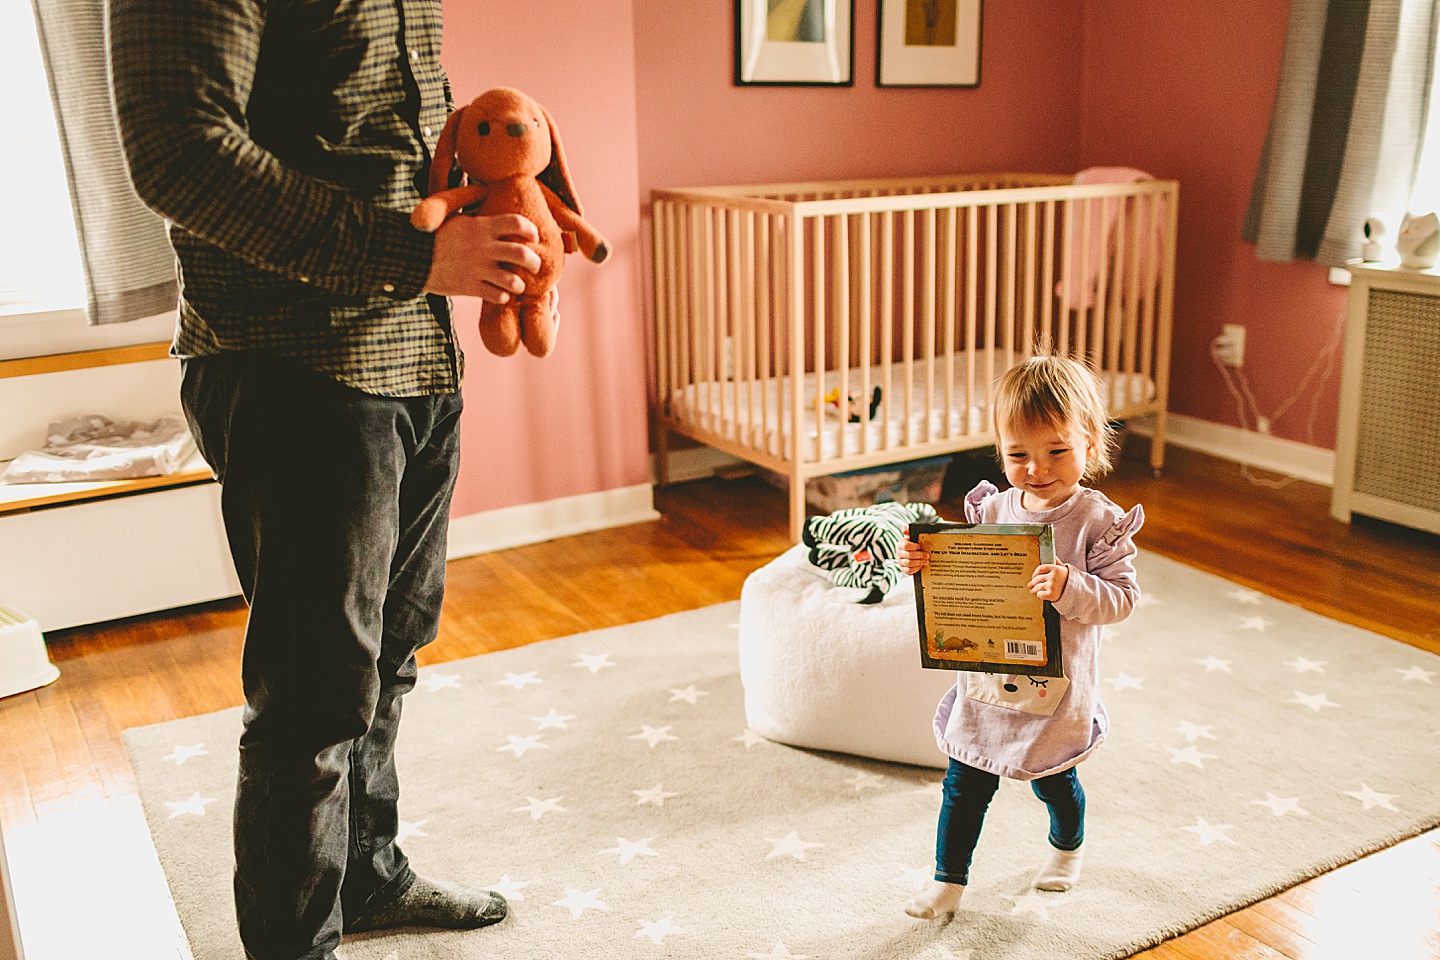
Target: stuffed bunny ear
{"type": "Point", "coordinates": [556, 175]}
{"type": "Point", "coordinates": [443, 162]}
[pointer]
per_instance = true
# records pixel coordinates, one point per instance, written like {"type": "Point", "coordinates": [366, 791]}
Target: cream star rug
{"type": "Point", "coordinates": [607, 785]}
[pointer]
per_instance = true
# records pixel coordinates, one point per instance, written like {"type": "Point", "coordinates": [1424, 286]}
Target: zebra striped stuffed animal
{"type": "Point", "coordinates": [859, 547]}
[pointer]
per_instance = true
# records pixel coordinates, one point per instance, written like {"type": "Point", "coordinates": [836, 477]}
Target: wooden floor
{"type": "Point", "coordinates": [86, 879]}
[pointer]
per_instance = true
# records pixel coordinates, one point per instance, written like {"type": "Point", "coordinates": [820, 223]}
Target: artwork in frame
{"type": "Point", "coordinates": [795, 43]}
{"type": "Point", "coordinates": [928, 43]}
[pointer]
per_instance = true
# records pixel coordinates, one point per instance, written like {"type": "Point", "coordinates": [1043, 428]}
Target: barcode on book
{"type": "Point", "coordinates": [1024, 650]}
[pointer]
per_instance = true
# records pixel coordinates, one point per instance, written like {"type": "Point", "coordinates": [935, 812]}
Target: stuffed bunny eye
{"type": "Point", "coordinates": [484, 128]}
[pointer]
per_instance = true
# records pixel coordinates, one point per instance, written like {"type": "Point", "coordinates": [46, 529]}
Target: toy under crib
{"type": "Point", "coordinates": [772, 302]}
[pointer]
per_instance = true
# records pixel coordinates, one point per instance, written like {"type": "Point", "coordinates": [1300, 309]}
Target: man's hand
{"type": "Point", "coordinates": [1048, 583]}
{"type": "Point", "coordinates": [479, 256]}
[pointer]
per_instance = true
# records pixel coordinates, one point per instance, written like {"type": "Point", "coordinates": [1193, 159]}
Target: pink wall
{"type": "Point", "coordinates": [698, 129]}
{"type": "Point", "coordinates": [1185, 92]}
{"type": "Point", "coordinates": [573, 423]}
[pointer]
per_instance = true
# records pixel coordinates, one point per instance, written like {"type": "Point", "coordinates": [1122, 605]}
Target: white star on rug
{"type": "Point", "coordinates": [1254, 623]}
{"type": "Point", "coordinates": [1209, 832]}
{"type": "Point", "coordinates": [1194, 731]}
{"type": "Point", "coordinates": [579, 902]}
{"type": "Point", "coordinates": [1241, 595]}
{"type": "Point", "coordinates": [1302, 665]}
{"type": "Point", "coordinates": [553, 719]}
{"type": "Point", "coordinates": [690, 695]}
{"type": "Point", "coordinates": [934, 789]}
{"type": "Point", "coordinates": [1147, 600]}
{"type": "Point", "coordinates": [1190, 755]}
{"type": "Point", "coordinates": [943, 952]}
{"type": "Point", "coordinates": [630, 849]}
{"type": "Point", "coordinates": [917, 877]}
{"type": "Point", "coordinates": [594, 662]}
{"type": "Point", "coordinates": [509, 889]}
{"type": "Point", "coordinates": [658, 930]}
{"type": "Point", "coordinates": [656, 795]}
{"type": "Point", "coordinates": [1279, 807]}
{"type": "Point", "coordinates": [866, 781]}
{"type": "Point", "coordinates": [1124, 682]}
{"type": "Point", "coordinates": [407, 830]}
{"type": "Point", "coordinates": [518, 745]}
{"type": "Point", "coordinates": [749, 738]}
{"type": "Point", "coordinates": [195, 805]}
{"type": "Point", "coordinates": [1371, 799]}
{"type": "Point", "coordinates": [1415, 673]}
{"type": "Point", "coordinates": [538, 808]}
{"type": "Point", "coordinates": [652, 735]}
{"type": "Point", "coordinates": [519, 680]}
{"type": "Point", "coordinates": [181, 754]}
{"type": "Point", "coordinates": [440, 681]}
{"type": "Point", "coordinates": [1030, 902]}
{"type": "Point", "coordinates": [1312, 700]}
{"type": "Point", "coordinates": [1213, 663]}
{"type": "Point", "coordinates": [790, 845]}
{"type": "Point", "coordinates": [779, 950]}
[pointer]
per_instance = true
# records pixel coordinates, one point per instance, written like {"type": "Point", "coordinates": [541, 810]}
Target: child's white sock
{"type": "Point", "coordinates": [1061, 870]}
{"type": "Point", "coordinates": [937, 900]}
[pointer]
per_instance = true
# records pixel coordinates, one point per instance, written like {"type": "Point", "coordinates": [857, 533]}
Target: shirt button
{"type": "Point", "coordinates": [427, 131]}
{"type": "Point", "coordinates": [388, 287]}
{"type": "Point", "coordinates": [414, 54]}
{"type": "Point", "coordinates": [304, 279]}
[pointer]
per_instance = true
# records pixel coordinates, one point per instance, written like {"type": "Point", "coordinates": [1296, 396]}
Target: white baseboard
{"type": "Point", "coordinates": [537, 522]}
{"type": "Point", "coordinates": [1276, 454]}
{"type": "Point", "coordinates": [695, 463]}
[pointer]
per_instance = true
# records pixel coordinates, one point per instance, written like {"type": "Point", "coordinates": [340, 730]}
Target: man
{"type": "Point", "coordinates": [287, 141]}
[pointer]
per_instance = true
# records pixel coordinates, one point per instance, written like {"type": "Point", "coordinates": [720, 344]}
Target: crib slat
{"type": "Point", "coordinates": [1087, 299]}
{"type": "Point", "coordinates": [887, 318]}
{"type": "Point", "coordinates": [907, 319]}
{"type": "Point", "coordinates": [928, 315]}
{"type": "Point", "coordinates": [1112, 318]}
{"type": "Point", "coordinates": [864, 314]}
{"type": "Point", "coordinates": [972, 302]}
{"type": "Point", "coordinates": [1027, 310]}
{"type": "Point", "coordinates": [840, 259]}
{"type": "Point", "coordinates": [817, 301]}
{"type": "Point", "coordinates": [766, 372]}
{"type": "Point", "coordinates": [992, 256]}
{"type": "Point", "coordinates": [950, 313]}
{"type": "Point", "coordinates": [1007, 291]}
{"type": "Point", "coordinates": [1047, 280]}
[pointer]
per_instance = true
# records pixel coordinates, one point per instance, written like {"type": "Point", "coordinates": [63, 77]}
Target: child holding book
{"type": "Point", "coordinates": [1052, 433]}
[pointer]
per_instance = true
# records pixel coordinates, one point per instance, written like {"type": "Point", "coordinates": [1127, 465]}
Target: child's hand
{"type": "Point", "coordinates": [912, 558]}
{"type": "Point", "coordinates": [1049, 581]}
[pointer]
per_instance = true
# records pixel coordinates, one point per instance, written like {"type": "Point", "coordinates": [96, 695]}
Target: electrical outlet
{"type": "Point", "coordinates": [1230, 345]}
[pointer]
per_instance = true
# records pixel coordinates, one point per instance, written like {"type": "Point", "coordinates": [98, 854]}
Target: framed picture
{"type": "Point", "coordinates": [795, 42]}
{"type": "Point", "coordinates": [928, 43]}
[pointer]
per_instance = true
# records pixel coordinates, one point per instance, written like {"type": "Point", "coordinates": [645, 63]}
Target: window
{"type": "Point", "coordinates": [39, 257]}
{"type": "Point", "coordinates": [1425, 197]}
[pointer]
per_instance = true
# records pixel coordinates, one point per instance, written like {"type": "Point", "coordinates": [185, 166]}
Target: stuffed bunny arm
{"type": "Point", "coordinates": [587, 237]}
{"type": "Point", "coordinates": [436, 209]}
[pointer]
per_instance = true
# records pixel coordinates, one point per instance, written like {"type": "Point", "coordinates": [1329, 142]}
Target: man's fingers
{"type": "Point", "coordinates": [518, 255]}
{"type": "Point", "coordinates": [514, 225]}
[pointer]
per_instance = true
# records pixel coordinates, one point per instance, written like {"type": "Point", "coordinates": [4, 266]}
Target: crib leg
{"type": "Point", "coordinates": [662, 455]}
{"type": "Point", "coordinates": [1157, 445]}
{"type": "Point", "coordinates": [797, 506]}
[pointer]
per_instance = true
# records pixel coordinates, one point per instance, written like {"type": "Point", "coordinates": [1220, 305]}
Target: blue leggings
{"type": "Point", "coordinates": [966, 796]}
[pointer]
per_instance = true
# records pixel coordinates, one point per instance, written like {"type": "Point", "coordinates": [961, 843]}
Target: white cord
{"type": "Point", "coordinates": [1239, 386]}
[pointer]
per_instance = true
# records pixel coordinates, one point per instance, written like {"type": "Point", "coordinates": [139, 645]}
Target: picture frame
{"type": "Point", "coordinates": [795, 43]}
{"type": "Point", "coordinates": [928, 43]}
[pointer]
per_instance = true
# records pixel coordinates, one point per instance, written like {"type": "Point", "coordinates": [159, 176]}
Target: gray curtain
{"type": "Point", "coordinates": [1345, 135]}
{"type": "Point", "coordinates": [129, 266]}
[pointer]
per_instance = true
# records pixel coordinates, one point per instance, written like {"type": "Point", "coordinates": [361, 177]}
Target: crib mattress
{"type": "Point", "coordinates": [724, 408]}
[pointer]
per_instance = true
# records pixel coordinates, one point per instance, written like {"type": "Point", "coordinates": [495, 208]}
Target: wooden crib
{"type": "Point", "coordinates": [775, 303]}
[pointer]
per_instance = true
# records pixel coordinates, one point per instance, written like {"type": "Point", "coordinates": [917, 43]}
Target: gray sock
{"type": "Point", "coordinates": [429, 903]}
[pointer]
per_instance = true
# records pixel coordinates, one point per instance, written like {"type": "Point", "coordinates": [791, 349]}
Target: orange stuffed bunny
{"type": "Point", "coordinates": [510, 152]}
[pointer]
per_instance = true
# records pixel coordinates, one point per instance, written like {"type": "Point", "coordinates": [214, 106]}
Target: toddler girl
{"type": "Point", "coordinates": [1052, 433]}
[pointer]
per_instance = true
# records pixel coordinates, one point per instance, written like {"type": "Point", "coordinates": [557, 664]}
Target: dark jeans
{"type": "Point", "coordinates": [966, 795]}
{"type": "Point", "coordinates": [336, 505]}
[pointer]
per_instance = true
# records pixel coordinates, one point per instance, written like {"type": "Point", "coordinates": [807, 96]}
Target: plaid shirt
{"type": "Point", "coordinates": [286, 144]}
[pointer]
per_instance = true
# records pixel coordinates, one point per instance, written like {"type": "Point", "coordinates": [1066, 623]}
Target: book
{"type": "Point", "coordinates": [973, 599]}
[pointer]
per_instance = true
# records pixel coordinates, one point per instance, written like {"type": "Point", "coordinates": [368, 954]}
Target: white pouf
{"type": "Point", "coordinates": [824, 672]}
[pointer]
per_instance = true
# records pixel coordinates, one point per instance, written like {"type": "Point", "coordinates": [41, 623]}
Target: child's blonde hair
{"type": "Point", "coordinates": [1056, 392]}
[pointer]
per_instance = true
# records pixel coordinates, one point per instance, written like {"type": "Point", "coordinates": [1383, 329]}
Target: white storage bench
{"type": "Point", "coordinates": [78, 553]}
